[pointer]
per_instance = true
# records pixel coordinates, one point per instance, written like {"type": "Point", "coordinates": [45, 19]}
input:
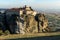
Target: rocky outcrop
{"type": "Point", "coordinates": [34, 24]}
{"type": "Point", "coordinates": [27, 21]}
{"type": "Point", "coordinates": [42, 22]}
{"type": "Point", "coordinates": [31, 24]}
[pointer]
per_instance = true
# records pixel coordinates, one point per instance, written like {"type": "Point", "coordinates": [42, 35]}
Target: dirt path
{"type": "Point", "coordinates": [39, 38]}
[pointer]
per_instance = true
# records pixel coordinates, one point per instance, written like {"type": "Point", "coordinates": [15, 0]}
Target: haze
{"type": "Point", "coordinates": [36, 4]}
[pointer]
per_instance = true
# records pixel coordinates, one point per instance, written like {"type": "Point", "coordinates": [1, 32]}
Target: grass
{"type": "Point", "coordinates": [29, 35]}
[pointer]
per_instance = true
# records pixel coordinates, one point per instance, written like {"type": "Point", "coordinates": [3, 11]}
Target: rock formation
{"type": "Point", "coordinates": [42, 22]}
{"type": "Point", "coordinates": [25, 20]}
{"type": "Point", "coordinates": [31, 24]}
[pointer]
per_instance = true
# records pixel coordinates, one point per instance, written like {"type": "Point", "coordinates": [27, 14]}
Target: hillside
{"type": "Point", "coordinates": [54, 20]}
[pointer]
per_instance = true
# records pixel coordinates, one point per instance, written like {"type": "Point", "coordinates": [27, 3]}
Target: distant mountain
{"type": "Point", "coordinates": [2, 10]}
{"type": "Point", "coordinates": [54, 20]}
{"type": "Point", "coordinates": [49, 10]}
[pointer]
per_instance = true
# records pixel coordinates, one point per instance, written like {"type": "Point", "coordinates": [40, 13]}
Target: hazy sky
{"type": "Point", "coordinates": [45, 4]}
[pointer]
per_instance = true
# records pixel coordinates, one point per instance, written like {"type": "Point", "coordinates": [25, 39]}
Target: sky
{"type": "Point", "coordinates": [43, 4]}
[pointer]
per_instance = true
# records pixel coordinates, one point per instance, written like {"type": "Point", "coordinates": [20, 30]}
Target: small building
{"type": "Point", "coordinates": [27, 10]}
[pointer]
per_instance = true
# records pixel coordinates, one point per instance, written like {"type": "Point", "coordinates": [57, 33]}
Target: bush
{"type": "Point", "coordinates": [1, 32]}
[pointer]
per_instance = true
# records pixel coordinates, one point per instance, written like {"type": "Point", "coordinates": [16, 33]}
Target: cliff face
{"type": "Point", "coordinates": [35, 24]}
{"type": "Point", "coordinates": [31, 24]}
{"type": "Point", "coordinates": [27, 22]}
